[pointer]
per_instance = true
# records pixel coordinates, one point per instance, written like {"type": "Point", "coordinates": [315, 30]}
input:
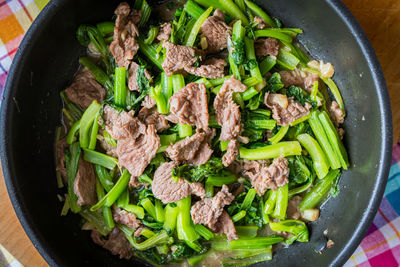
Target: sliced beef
{"type": "Point", "coordinates": [132, 79]}
{"type": "Point", "coordinates": [194, 150]}
{"type": "Point", "coordinates": [137, 143]}
{"type": "Point", "coordinates": [285, 110]}
{"type": "Point", "coordinates": [208, 210]}
{"type": "Point", "coordinates": [212, 68]}
{"type": "Point", "coordinates": [166, 190]}
{"type": "Point", "coordinates": [263, 177]}
{"type": "Point", "coordinates": [60, 157]}
{"type": "Point", "coordinates": [228, 116]}
{"type": "Point", "coordinates": [293, 211]}
{"type": "Point", "coordinates": [260, 23]}
{"type": "Point", "coordinates": [266, 46]}
{"type": "Point", "coordinates": [189, 106]}
{"type": "Point", "coordinates": [85, 89]}
{"type": "Point", "coordinates": [85, 183]}
{"type": "Point", "coordinates": [298, 78]}
{"type": "Point", "coordinates": [124, 46]}
{"type": "Point", "coordinates": [216, 32]}
{"type": "Point", "coordinates": [182, 59]}
{"type": "Point", "coordinates": [232, 152]}
{"type": "Point", "coordinates": [225, 226]}
{"type": "Point", "coordinates": [165, 32]}
{"type": "Point", "coordinates": [227, 111]}
{"type": "Point", "coordinates": [116, 243]}
{"type": "Point", "coordinates": [336, 114]}
{"type": "Point", "coordinates": [148, 102]}
{"type": "Point", "coordinates": [151, 116]}
{"type": "Point", "coordinates": [127, 218]}
{"type": "Point", "coordinates": [178, 58]}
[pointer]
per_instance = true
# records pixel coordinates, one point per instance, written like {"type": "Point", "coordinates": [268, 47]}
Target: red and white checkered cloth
{"type": "Point", "coordinates": [380, 247]}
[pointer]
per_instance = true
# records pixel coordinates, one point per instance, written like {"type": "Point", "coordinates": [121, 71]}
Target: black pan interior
{"type": "Point", "coordinates": [48, 59]}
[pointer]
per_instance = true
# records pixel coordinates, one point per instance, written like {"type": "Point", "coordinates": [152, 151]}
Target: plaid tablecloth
{"type": "Point", "coordinates": [380, 247]}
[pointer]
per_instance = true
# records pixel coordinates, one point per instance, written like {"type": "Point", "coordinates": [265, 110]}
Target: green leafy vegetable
{"type": "Point", "coordinates": [295, 227]}
{"type": "Point", "coordinates": [198, 173]}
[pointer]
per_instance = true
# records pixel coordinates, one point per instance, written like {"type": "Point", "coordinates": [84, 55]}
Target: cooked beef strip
{"type": "Point", "coordinates": [85, 183]}
{"type": "Point", "coordinates": [166, 190]}
{"type": "Point", "coordinates": [298, 78]}
{"type": "Point", "coordinates": [225, 226]}
{"type": "Point", "coordinates": [263, 177]}
{"type": "Point", "coordinates": [293, 211]}
{"type": "Point", "coordinates": [208, 210]}
{"type": "Point", "coordinates": [84, 89]}
{"type": "Point", "coordinates": [260, 23]}
{"type": "Point", "coordinates": [165, 32]}
{"type": "Point", "coordinates": [151, 116]}
{"type": "Point", "coordinates": [227, 113]}
{"type": "Point", "coordinates": [132, 79]}
{"type": "Point", "coordinates": [266, 46]}
{"type": "Point", "coordinates": [148, 102]}
{"type": "Point", "coordinates": [124, 46]}
{"type": "Point", "coordinates": [127, 218]}
{"type": "Point", "coordinates": [181, 59]}
{"type": "Point", "coordinates": [194, 150]}
{"type": "Point", "coordinates": [232, 152]}
{"type": "Point", "coordinates": [60, 155]}
{"type": "Point", "coordinates": [137, 143]}
{"type": "Point", "coordinates": [116, 243]}
{"type": "Point", "coordinates": [216, 32]}
{"type": "Point", "coordinates": [212, 68]}
{"type": "Point", "coordinates": [336, 114]}
{"type": "Point", "coordinates": [189, 106]}
{"type": "Point", "coordinates": [285, 110]}
{"type": "Point", "coordinates": [178, 58]}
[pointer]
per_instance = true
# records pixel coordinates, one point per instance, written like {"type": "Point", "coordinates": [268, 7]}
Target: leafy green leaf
{"type": "Point", "coordinates": [299, 95]}
{"type": "Point", "coordinates": [238, 51]}
{"type": "Point", "coordinates": [299, 172]}
{"type": "Point", "coordinates": [274, 83]}
{"type": "Point", "coordinates": [198, 173]}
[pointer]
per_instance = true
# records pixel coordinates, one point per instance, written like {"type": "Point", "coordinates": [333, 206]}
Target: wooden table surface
{"type": "Point", "coordinates": [381, 21]}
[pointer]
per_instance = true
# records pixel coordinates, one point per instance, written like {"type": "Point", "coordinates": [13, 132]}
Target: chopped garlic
{"type": "Point", "coordinates": [203, 43]}
{"type": "Point", "coordinates": [281, 100]}
{"type": "Point", "coordinates": [326, 69]}
{"type": "Point", "coordinates": [310, 215]}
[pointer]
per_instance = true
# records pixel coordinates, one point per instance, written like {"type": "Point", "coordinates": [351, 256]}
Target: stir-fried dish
{"type": "Point", "coordinates": [209, 137]}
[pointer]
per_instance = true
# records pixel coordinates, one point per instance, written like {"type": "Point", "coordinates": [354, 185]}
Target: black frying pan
{"type": "Point", "coordinates": [48, 58]}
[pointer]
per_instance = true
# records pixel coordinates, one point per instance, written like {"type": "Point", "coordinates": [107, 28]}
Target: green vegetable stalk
{"type": "Point", "coordinates": [101, 159]}
{"type": "Point", "coordinates": [296, 227]}
{"type": "Point", "coordinates": [260, 13]}
{"type": "Point", "coordinates": [321, 164]}
{"type": "Point", "coordinates": [196, 27]}
{"type": "Point", "coordinates": [281, 203]}
{"type": "Point", "coordinates": [114, 193]}
{"type": "Point", "coordinates": [153, 241]}
{"type": "Point", "coordinates": [72, 159]}
{"type": "Point", "coordinates": [318, 192]}
{"type": "Point", "coordinates": [120, 87]}
{"type": "Point", "coordinates": [184, 223]}
{"type": "Point", "coordinates": [323, 140]}
{"type": "Point", "coordinates": [171, 214]}
{"type": "Point", "coordinates": [282, 149]}
{"type": "Point", "coordinates": [87, 121]}
{"type": "Point", "coordinates": [107, 214]}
